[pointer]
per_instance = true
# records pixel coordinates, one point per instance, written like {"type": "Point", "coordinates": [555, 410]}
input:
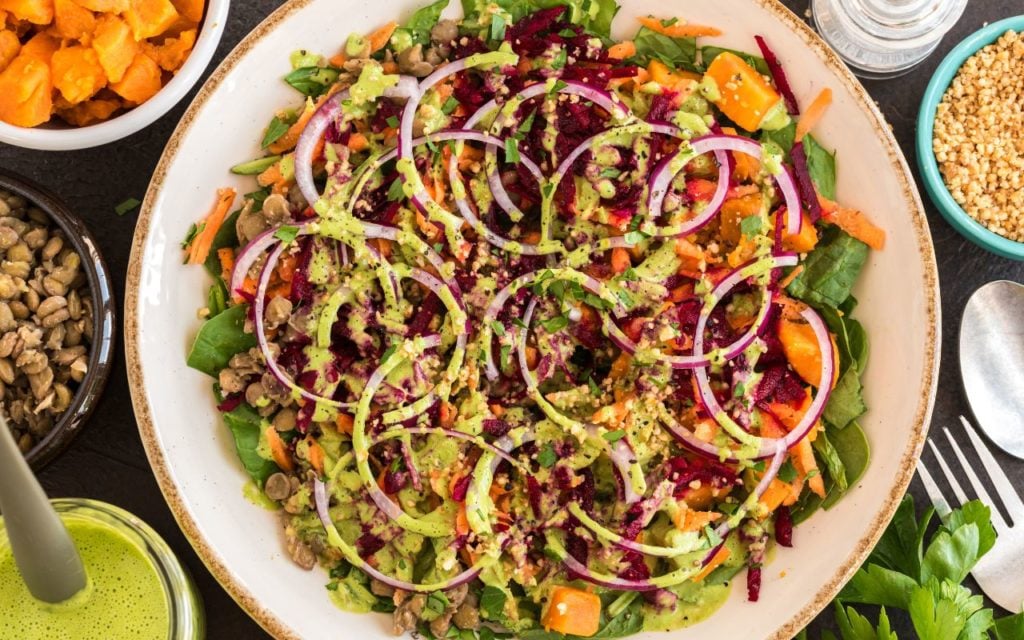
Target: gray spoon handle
{"type": "Point", "coordinates": [42, 547]}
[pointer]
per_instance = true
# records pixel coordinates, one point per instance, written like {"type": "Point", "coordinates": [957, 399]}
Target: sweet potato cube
{"type": "Point", "coordinates": [25, 89]}
{"type": "Point", "coordinates": [141, 80]}
{"type": "Point", "coordinates": [71, 21]}
{"type": "Point", "coordinates": [41, 46]}
{"type": "Point", "coordinates": [90, 112]}
{"type": "Point", "coordinates": [105, 6]}
{"type": "Point", "coordinates": [172, 53]}
{"type": "Point", "coordinates": [190, 9]}
{"type": "Point", "coordinates": [744, 95]}
{"type": "Point", "coordinates": [114, 45]}
{"type": "Point", "coordinates": [77, 73]}
{"type": "Point", "coordinates": [34, 11]}
{"type": "Point", "coordinates": [150, 18]}
{"type": "Point", "coordinates": [9, 47]}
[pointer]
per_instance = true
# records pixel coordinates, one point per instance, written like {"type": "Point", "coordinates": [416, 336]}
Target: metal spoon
{"type": "Point", "coordinates": [992, 362]}
{"type": "Point", "coordinates": [43, 550]}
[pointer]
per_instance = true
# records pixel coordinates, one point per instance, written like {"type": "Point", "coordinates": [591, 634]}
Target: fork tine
{"type": "Point", "coordinates": [946, 471]}
{"type": "Point", "coordinates": [1011, 500]}
{"type": "Point", "coordinates": [932, 489]}
{"type": "Point", "coordinates": [979, 488]}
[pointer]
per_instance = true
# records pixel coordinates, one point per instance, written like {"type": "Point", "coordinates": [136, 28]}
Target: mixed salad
{"type": "Point", "coordinates": [528, 331]}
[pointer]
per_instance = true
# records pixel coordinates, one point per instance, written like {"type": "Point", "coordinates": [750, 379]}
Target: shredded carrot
{"type": "Point", "coordinates": [380, 37]}
{"type": "Point", "coordinates": [344, 423]}
{"type": "Point", "coordinates": [278, 450]}
{"type": "Point", "coordinates": [813, 114]}
{"type": "Point", "coordinates": [803, 460]}
{"type": "Point", "coordinates": [680, 29]}
{"type": "Point", "coordinates": [447, 414]}
{"type": "Point", "coordinates": [857, 225]}
{"type": "Point", "coordinates": [390, 67]}
{"type": "Point", "coordinates": [788, 280]}
{"type": "Point", "coordinates": [620, 260]}
{"type": "Point", "coordinates": [461, 521]}
{"type": "Point", "coordinates": [358, 142]}
{"type": "Point", "coordinates": [622, 50]}
{"type": "Point", "coordinates": [199, 249]}
{"type": "Point", "coordinates": [271, 175]}
{"type": "Point", "coordinates": [316, 455]}
{"type": "Point", "coordinates": [338, 60]}
{"type": "Point", "coordinates": [226, 256]}
{"type": "Point", "coordinates": [692, 520]}
{"type": "Point", "coordinates": [660, 72]}
{"type": "Point", "coordinates": [716, 561]}
{"type": "Point", "coordinates": [290, 138]}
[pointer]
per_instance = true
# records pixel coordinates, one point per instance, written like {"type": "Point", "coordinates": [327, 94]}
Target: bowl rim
{"type": "Point", "coordinates": [929, 166]}
{"type": "Point", "coordinates": [277, 627]}
{"type": "Point", "coordinates": [141, 116]}
{"type": "Point", "coordinates": [104, 330]}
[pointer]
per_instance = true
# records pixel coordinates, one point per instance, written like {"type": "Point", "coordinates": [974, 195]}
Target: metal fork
{"type": "Point", "coordinates": [1000, 574]}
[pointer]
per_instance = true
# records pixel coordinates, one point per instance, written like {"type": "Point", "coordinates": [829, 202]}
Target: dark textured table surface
{"type": "Point", "coordinates": [107, 461]}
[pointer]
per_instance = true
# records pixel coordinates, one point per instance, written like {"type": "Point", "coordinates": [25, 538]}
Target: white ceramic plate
{"type": "Point", "coordinates": [191, 452]}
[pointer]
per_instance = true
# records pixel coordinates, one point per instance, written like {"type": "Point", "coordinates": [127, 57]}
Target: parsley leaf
{"type": "Point", "coordinates": [275, 130]}
{"type": "Point", "coordinates": [555, 324]}
{"type": "Point", "coordinates": [492, 602]}
{"type": "Point", "coordinates": [286, 233]}
{"type": "Point", "coordinates": [126, 206]}
{"type": "Point", "coordinates": [512, 151]}
{"type": "Point", "coordinates": [547, 456]}
{"type": "Point", "coordinates": [614, 436]}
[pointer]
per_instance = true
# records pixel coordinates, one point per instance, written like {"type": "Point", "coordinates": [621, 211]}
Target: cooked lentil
{"type": "Point", "coordinates": [46, 316]}
{"type": "Point", "coordinates": [977, 140]}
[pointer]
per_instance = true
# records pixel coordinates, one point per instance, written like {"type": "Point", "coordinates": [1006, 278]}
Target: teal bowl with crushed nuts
{"type": "Point", "coordinates": [933, 182]}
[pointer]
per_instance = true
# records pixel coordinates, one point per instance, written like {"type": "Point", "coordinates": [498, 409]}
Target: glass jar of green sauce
{"type": "Point", "coordinates": [137, 588]}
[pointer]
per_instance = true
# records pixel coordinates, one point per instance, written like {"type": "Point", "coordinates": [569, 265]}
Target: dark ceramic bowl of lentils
{"type": "Point", "coordinates": [57, 320]}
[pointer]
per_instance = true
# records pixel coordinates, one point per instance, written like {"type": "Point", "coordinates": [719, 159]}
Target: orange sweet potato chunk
{"type": "Point", "coordinates": [72, 21]}
{"type": "Point", "coordinates": [41, 46]}
{"type": "Point", "coordinates": [25, 92]}
{"type": "Point", "coordinates": [172, 53]}
{"type": "Point", "coordinates": [150, 18]}
{"type": "Point", "coordinates": [190, 9]}
{"type": "Point", "coordinates": [141, 80]}
{"type": "Point", "coordinates": [90, 112]}
{"type": "Point", "coordinates": [77, 73]}
{"type": "Point", "coordinates": [9, 47]}
{"type": "Point", "coordinates": [114, 45]}
{"type": "Point", "coordinates": [105, 6]}
{"type": "Point", "coordinates": [34, 11]}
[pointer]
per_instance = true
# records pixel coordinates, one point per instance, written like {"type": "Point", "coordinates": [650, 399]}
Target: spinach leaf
{"type": "Point", "coordinates": [420, 23]}
{"type": "Point", "coordinates": [628, 622]}
{"type": "Point", "coordinates": [709, 53]}
{"type": "Point", "coordinates": [846, 403]}
{"type": "Point", "coordinates": [275, 130]}
{"type": "Point", "coordinates": [515, 8]}
{"type": "Point", "coordinates": [219, 339]}
{"type": "Point", "coordinates": [822, 166]}
{"type": "Point", "coordinates": [217, 299]}
{"type": "Point", "coordinates": [492, 602]}
{"type": "Point", "coordinates": [312, 81]}
{"type": "Point", "coordinates": [675, 52]}
{"type": "Point", "coordinates": [225, 237]}
{"type": "Point", "coordinates": [831, 270]}
{"type": "Point", "coordinates": [852, 446]}
{"type": "Point", "coordinates": [784, 137]}
{"type": "Point", "coordinates": [425, 562]}
{"type": "Point", "coordinates": [851, 338]}
{"type": "Point", "coordinates": [244, 424]}
{"type": "Point", "coordinates": [833, 463]}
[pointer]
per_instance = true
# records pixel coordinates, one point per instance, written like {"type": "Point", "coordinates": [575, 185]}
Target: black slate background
{"type": "Point", "coordinates": [107, 462]}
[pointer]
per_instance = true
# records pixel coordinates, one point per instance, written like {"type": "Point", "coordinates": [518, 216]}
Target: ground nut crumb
{"type": "Point", "coordinates": [977, 140]}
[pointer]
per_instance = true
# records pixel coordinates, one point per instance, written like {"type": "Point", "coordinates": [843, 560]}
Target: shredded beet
{"type": "Point", "coordinates": [231, 402]}
{"type": "Point", "coordinates": [803, 181]}
{"type": "Point", "coordinates": [779, 76]}
{"type": "Point", "coordinates": [753, 583]}
{"type": "Point", "coordinates": [784, 526]}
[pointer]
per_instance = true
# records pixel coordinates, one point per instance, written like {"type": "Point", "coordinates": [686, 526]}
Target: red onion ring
{"type": "Point", "coordinates": [317, 126]}
{"type": "Point", "coordinates": [694, 360]}
{"type": "Point", "coordinates": [335, 539]}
